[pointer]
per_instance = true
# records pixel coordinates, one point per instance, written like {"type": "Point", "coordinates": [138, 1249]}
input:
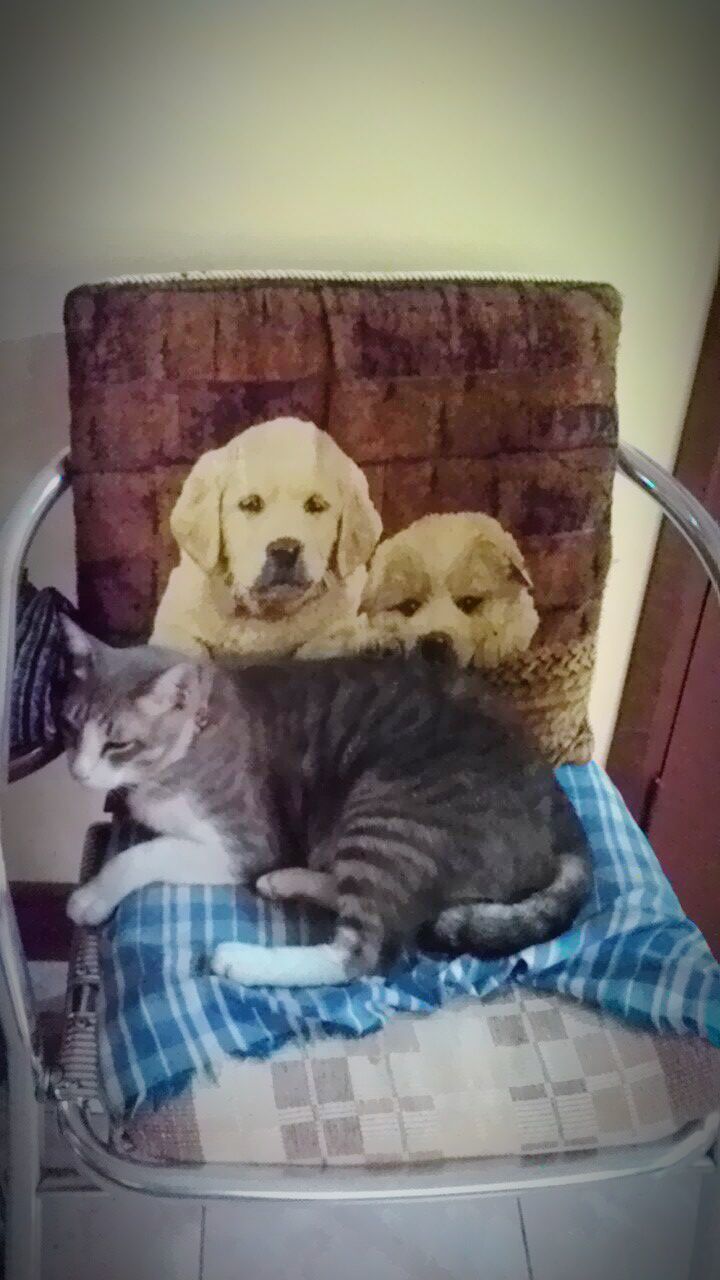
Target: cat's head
{"type": "Point", "coordinates": [127, 715]}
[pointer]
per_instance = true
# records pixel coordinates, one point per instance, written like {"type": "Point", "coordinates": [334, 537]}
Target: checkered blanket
{"type": "Point", "coordinates": [165, 1019]}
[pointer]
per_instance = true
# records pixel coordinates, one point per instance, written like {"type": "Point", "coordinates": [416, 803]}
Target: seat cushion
{"type": "Point", "coordinates": [522, 1075]}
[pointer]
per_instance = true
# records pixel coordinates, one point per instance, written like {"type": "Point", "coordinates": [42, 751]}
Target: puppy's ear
{"type": "Point", "coordinates": [515, 568]}
{"type": "Point", "coordinates": [500, 556]}
{"type": "Point", "coordinates": [195, 519]}
{"type": "Point", "coordinates": [518, 573]}
{"type": "Point", "coordinates": [360, 523]}
{"type": "Point", "coordinates": [394, 574]}
{"type": "Point", "coordinates": [373, 582]}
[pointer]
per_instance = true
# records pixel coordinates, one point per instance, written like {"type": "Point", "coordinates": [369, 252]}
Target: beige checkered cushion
{"type": "Point", "coordinates": [524, 1075]}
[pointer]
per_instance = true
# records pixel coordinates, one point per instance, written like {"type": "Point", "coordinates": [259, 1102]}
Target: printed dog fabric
{"type": "Point", "coordinates": [165, 1019]}
{"type": "Point", "coordinates": [489, 396]}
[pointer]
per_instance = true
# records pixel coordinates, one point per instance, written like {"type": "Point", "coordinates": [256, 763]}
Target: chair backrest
{"type": "Point", "coordinates": [452, 394]}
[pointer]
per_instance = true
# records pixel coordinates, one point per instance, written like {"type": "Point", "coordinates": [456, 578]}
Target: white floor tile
{"type": "Point", "coordinates": [630, 1229]}
{"type": "Point", "coordinates": [99, 1236]}
{"type": "Point", "coordinates": [467, 1240]}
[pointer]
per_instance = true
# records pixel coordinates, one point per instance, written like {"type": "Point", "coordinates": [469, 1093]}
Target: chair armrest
{"type": "Point", "coordinates": [22, 766]}
{"type": "Point", "coordinates": [17, 1013]}
{"type": "Point", "coordinates": [16, 535]}
{"type": "Point", "coordinates": [688, 515]}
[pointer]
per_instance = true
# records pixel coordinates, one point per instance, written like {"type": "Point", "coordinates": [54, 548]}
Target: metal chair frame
{"type": "Point", "coordinates": [74, 1090]}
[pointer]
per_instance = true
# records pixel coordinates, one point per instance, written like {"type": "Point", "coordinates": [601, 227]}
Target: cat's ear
{"type": "Point", "coordinates": [80, 646]}
{"type": "Point", "coordinates": [174, 689]}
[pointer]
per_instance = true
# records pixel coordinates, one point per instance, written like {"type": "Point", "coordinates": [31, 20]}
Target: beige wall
{"type": "Point", "coordinates": [562, 138]}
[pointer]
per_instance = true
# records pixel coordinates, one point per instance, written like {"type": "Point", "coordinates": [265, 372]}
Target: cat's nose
{"type": "Point", "coordinates": [284, 552]}
{"type": "Point", "coordinates": [436, 646]}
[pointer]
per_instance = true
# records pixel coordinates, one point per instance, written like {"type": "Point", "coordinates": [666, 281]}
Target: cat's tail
{"type": "Point", "coordinates": [500, 928]}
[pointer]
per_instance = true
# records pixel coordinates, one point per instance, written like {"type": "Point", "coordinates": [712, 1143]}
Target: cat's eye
{"type": "Point", "coordinates": [117, 745]}
{"type": "Point", "coordinates": [468, 604]}
{"type": "Point", "coordinates": [315, 505]}
{"type": "Point", "coordinates": [407, 607]}
{"type": "Point", "coordinates": [253, 504]}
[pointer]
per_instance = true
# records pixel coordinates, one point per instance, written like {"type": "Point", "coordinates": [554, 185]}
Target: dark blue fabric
{"type": "Point", "coordinates": [39, 668]}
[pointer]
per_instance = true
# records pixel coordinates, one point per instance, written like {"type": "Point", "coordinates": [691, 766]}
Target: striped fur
{"type": "Point", "coordinates": [401, 786]}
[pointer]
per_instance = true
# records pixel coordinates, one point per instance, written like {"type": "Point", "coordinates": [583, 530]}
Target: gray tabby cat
{"type": "Point", "coordinates": [390, 790]}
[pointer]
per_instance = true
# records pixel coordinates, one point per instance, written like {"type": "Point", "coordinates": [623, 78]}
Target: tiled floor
{"type": "Point", "coordinates": [117, 1236]}
{"type": "Point", "coordinates": [640, 1229]}
{"type": "Point", "coordinates": [48, 979]}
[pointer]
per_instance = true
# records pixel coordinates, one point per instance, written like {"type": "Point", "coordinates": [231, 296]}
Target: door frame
{"type": "Point", "coordinates": [676, 595]}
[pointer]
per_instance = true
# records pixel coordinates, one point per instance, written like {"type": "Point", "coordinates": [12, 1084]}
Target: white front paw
{"type": "Point", "coordinates": [246, 963]}
{"type": "Point", "coordinates": [88, 905]}
{"type": "Point", "coordinates": [225, 961]}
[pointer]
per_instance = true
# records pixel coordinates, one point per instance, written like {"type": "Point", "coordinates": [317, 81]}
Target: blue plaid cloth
{"type": "Point", "coordinates": [166, 1019]}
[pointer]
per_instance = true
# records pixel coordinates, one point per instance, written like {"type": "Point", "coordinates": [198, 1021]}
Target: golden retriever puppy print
{"type": "Point", "coordinates": [453, 587]}
{"type": "Point", "coordinates": [275, 530]}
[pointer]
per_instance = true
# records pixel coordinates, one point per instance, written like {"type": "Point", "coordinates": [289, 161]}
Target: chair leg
{"type": "Point", "coordinates": [706, 1260]}
{"type": "Point", "coordinates": [22, 1209]}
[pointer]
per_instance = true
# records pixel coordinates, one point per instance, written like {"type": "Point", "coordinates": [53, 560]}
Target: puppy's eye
{"type": "Point", "coordinates": [468, 604]}
{"type": "Point", "coordinates": [253, 504]}
{"type": "Point", "coordinates": [315, 505]}
{"type": "Point", "coordinates": [407, 607]}
{"type": "Point", "coordinates": [117, 745]}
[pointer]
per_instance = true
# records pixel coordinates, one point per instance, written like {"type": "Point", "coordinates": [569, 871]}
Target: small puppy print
{"type": "Point", "coordinates": [452, 587]}
{"type": "Point", "coordinates": [275, 530]}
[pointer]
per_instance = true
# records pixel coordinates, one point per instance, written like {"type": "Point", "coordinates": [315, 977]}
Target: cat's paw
{"type": "Point", "coordinates": [88, 905]}
{"type": "Point", "coordinates": [302, 884]}
{"type": "Point", "coordinates": [239, 962]}
{"type": "Point", "coordinates": [270, 886]}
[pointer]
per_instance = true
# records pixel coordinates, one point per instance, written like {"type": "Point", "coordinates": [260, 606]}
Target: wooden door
{"type": "Point", "coordinates": [665, 753]}
{"type": "Point", "coordinates": [683, 818]}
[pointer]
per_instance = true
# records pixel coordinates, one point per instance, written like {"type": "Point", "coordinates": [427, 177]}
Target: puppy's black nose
{"type": "Point", "coordinates": [436, 646]}
{"type": "Point", "coordinates": [284, 552]}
